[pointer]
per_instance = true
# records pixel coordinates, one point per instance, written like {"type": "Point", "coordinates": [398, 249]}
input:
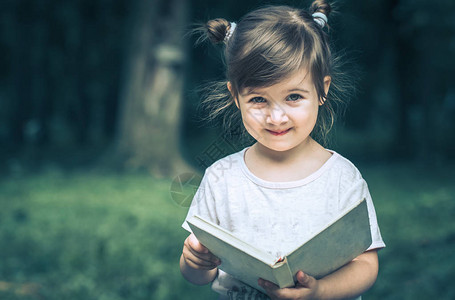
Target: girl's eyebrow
{"type": "Point", "coordinates": [299, 90]}
{"type": "Point", "coordinates": [251, 91]}
{"type": "Point", "coordinates": [248, 92]}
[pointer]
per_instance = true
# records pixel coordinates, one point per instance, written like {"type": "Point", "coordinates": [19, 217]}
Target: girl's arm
{"type": "Point", "coordinates": [197, 264]}
{"type": "Point", "coordinates": [350, 281]}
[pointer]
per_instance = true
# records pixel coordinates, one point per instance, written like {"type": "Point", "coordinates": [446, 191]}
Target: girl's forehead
{"type": "Point", "coordinates": [300, 79]}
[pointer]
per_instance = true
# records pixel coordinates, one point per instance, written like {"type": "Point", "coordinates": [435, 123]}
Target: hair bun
{"type": "Point", "coordinates": [321, 6]}
{"type": "Point", "coordinates": [217, 30]}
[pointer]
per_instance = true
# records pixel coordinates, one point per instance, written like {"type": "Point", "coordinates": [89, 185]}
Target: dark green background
{"type": "Point", "coordinates": [62, 63]}
{"type": "Point", "coordinates": [70, 228]}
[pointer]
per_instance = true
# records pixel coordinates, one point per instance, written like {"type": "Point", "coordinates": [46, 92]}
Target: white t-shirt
{"type": "Point", "coordinates": [277, 216]}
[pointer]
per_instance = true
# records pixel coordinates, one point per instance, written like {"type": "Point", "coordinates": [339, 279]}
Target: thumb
{"type": "Point", "coordinates": [194, 243]}
{"type": "Point", "coordinates": [305, 280]}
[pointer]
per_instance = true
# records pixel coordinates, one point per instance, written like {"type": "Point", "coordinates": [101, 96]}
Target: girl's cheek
{"type": "Point", "coordinates": [256, 115]}
{"type": "Point", "coordinates": [308, 112]}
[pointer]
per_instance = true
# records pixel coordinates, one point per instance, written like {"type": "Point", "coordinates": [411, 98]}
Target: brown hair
{"type": "Point", "coordinates": [268, 45]}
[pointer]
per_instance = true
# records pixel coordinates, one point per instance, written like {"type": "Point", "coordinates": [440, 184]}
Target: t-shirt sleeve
{"type": "Point", "coordinates": [357, 191]}
{"type": "Point", "coordinates": [203, 203]}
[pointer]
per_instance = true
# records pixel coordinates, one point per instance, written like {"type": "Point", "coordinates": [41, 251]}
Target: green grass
{"type": "Point", "coordinates": [416, 210]}
{"type": "Point", "coordinates": [89, 235]}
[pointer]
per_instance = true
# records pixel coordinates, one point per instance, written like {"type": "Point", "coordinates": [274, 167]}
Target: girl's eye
{"type": "Point", "coordinates": [294, 97]}
{"type": "Point", "coordinates": [257, 100]}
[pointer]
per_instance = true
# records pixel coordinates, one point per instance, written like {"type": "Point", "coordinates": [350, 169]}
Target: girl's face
{"type": "Point", "coordinates": [282, 116]}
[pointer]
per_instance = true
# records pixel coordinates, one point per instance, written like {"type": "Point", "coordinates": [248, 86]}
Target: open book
{"type": "Point", "coordinates": [329, 249]}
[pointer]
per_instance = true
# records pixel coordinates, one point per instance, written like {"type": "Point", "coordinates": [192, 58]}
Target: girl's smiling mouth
{"type": "Point", "coordinates": [279, 132]}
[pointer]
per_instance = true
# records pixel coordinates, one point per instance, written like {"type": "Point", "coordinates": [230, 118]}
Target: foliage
{"type": "Point", "coordinates": [93, 235]}
{"type": "Point", "coordinates": [63, 63]}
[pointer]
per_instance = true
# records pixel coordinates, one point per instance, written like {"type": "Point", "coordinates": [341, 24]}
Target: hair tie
{"type": "Point", "coordinates": [320, 18]}
{"type": "Point", "coordinates": [230, 32]}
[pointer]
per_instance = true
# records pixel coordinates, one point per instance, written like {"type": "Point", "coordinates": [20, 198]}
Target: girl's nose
{"type": "Point", "coordinates": [276, 116]}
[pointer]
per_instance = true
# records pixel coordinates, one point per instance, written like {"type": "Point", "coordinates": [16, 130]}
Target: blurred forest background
{"type": "Point", "coordinates": [99, 114]}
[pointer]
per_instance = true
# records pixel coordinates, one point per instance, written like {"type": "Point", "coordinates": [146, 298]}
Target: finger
{"type": "Point", "coordinates": [200, 250]}
{"type": "Point", "coordinates": [305, 280]}
{"type": "Point", "coordinates": [194, 244]}
{"type": "Point", "coordinates": [195, 262]}
{"type": "Point", "coordinates": [208, 257]}
{"type": "Point", "coordinates": [198, 264]}
{"type": "Point", "coordinates": [275, 292]}
{"type": "Point", "coordinates": [270, 288]}
{"type": "Point", "coordinates": [187, 253]}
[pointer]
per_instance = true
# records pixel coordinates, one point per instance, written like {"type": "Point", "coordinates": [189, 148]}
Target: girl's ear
{"type": "Point", "coordinates": [229, 86]}
{"type": "Point", "coordinates": [327, 81]}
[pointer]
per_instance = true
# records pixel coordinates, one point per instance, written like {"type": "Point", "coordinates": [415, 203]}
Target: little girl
{"type": "Point", "coordinates": [286, 186]}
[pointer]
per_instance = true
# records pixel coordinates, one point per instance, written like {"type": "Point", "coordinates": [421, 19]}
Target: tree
{"type": "Point", "coordinates": [151, 92]}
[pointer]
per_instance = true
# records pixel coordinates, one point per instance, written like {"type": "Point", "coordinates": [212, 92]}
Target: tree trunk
{"type": "Point", "coordinates": [151, 96]}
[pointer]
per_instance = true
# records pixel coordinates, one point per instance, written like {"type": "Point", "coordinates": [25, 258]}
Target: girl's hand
{"type": "Point", "coordinates": [197, 256]}
{"type": "Point", "coordinates": [307, 287]}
